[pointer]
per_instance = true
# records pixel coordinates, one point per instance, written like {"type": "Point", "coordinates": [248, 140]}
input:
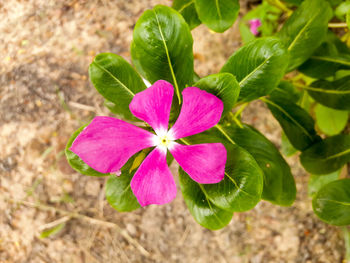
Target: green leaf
{"type": "Point", "coordinates": [316, 182]}
{"type": "Point", "coordinates": [285, 91]}
{"type": "Point", "coordinates": [187, 9]}
{"type": "Point", "coordinates": [52, 231]}
{"type": "Point", "coordinates": [75, 161]}
{"type": "Point", "coordinates": [333, 94]}
{"type": "Point", "coordinates": [348, 19]}
{"type": "Point", "coordinates": [331, 56]}
{"type": "Point", "coordinates": [332, 203]}
{"type": "Point", "coordinates": [222, 85]}
{"type": "Point", "coordinates": [330, 121]}
{"type": "Point", "coordinates": [218, 15]}
{"type": "Point", "coordinates": [305, 30]}
{"type": "Point", "coordinates": [162, 48]}
{"type": "Point", "coordinates": [287, 148]}
{"type": "Point", "coordinates": [341, 10]}
{"type": "Point", "coordinates": [116, 80]}
{"type": "Point", "coordinates": [242, 186]}
{"type": "Point", "coordinates": [202, 209]}
{"type": "Point", "coordinates": [279, 186]}
{"type": "Point", "coordinates": [328, 155]}
{"type": "Point", "coordinates": [296, 123]}
{"type": "Point", "coordinates": [258, 67]}
{"type": "Point", "coordinates": [118, 191]}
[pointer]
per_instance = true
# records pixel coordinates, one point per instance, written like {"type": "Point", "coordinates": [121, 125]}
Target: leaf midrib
{"type": "Point", "coordinates": [218, 8]}
{"type": "Point", "coordinates": [185, 6]}
{"type": "Point", "coordinates": [255, 70]}
{"type": "Point", "coordinates": [168, 58]}
{"type": "Point", "coordinates": [289, 116]}
{"type": "Point", "coordinates": [301, 32]}
{"type": "Point", "coordinates": [334, 201]}
{"type": "Point", "coordinates": [330, 59]}
{"type": "Point", "coordinates": [113, 77]}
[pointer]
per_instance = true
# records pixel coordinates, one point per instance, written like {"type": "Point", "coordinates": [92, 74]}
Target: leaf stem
{"type": "Point", "coordinates": [280, 5]}
{"type": "Point", "coordinates": [321, 90]}
{"type": "Point", "coordinates": [337, 25]}
{"type": "Point", "coordinates": [346, 235]}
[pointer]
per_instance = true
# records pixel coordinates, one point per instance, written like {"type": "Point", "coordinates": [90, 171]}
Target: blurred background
{"type": "Point", "coordinates": [50, 213]}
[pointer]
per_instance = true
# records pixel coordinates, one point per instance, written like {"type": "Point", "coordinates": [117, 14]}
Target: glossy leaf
{"type": "Point", "coordinates": [316, 182]}
{"type": "Point", "coordinates": [328, 155]}
{"type": "Point", "coordinates": [162, 47]}
{"type": "Point", "coordinates": [296, 123]}
{"type": "Point", "coordinates": [330, 121]}
{"type": "Point", "coordinates": [332, 203]}
{"type": "Point", "coordinates": [75, 162]}
{"type": "Point", "coordinates": [305, 30]}
{"type": "Point", "coordinates": [118, 191]}
{"type": "Point", "coordinates": [285, 91]}
{"type": "Point", "coordinates": [331, 56]}
{"type": "Point", "coordinates": [188, 10]}
{"type": "Point", "coordinates": [258, 67]}
{"type": "Point", "coordinates": [242, 186]}
{"type": "Point", "coordinates": [116, 80]}
{"type": "Point", "coordinates": [279, 186]}
{"type": "Point", "coordinates": [222, 85]}
{"type": "Point", "coordinates": [202, 209]}
{"type": "Point", "coordinates": [218, 15]}
{"type": "Point", "coordinates": [333, 94]}
{"type": "Point", "coordinates": [287, 148]}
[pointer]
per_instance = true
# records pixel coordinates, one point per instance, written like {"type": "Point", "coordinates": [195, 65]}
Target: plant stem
{"type": "Point", "coordinates": [280, 5]}
{"type": "Point", "coordinates": [346, 234]}
{"type": "Point", "coordinates": [337, 25]}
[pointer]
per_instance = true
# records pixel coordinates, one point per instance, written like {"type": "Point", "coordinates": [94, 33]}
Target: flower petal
{"type": "Point", "coordinates": [200, 111]}
{"type": "Point", "coordinates": [153, 182]}
{"type": "Point", "coordinates": [153, 105]}
{"type": "Point", "coordinates": [107, 143]}
{"type": "Point", "coordinates": [204, 163]}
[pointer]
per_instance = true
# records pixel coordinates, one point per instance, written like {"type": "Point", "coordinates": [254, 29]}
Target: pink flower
{"type": "Point", "coordinates": [107, 143]}
{"type": "Point", "coordinates": [254, 25]}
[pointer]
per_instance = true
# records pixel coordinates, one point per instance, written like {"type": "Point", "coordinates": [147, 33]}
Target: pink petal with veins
{"type": "Point", "coordinates": [153, 105]}
{"type": "Point", "coordinates": [200, 111]}
{"type": "Point", "coordinates": [204, 163]}
{"type": "Point", "coordinates": [107, 143]}
{"type": "Point", "coordinates": [153, 182]}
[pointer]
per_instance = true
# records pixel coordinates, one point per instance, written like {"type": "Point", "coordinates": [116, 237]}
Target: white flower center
{"type": "Point", "coordinates": [163, 140]}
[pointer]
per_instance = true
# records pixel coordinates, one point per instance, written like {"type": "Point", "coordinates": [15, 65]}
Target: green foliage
{"type": "Point", "coordinates": [258, 67]}
{"type": "Point", "coordinates": [328, 155]}
{"type": "Point", "coordinates": [188, 10]}
{"type": "Point", "coordinates": [296, 123]}
{"type": "Point", "coordinates": [330, 122]}
{"type": "Point", "coordinates": [279, 186]}
{"type": "Point", "coordinates": [118, 191]}
{"type": "Point", "coordinates": [116, 80]}
{"type": "Point", "coordinates": [305, 30]}
{"type": "Point", "coordinates": [222, 85]}
{"type": "Point", "coordinates": [331, 56]}
{"type": "Point", "coordinates": [218, 15]}
{"type": "Point", "coordinates": [242, 186]}
{"type": "Point", "coordinates": [75, 162]}
{"type": "Point", "coordinates": [332, 203]}
{"type": "Point", "coordinates": [162, 48]}
{"type": "Point", "coordinates": [316, 182]}
{"type": "Point", "coordinates": [333, 94]}
{"type": "Point", "coordinates": [202, 209]}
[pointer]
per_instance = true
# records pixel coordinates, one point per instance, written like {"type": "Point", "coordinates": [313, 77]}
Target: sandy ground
{"type": "Point", "coordinates": [45, 94]}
